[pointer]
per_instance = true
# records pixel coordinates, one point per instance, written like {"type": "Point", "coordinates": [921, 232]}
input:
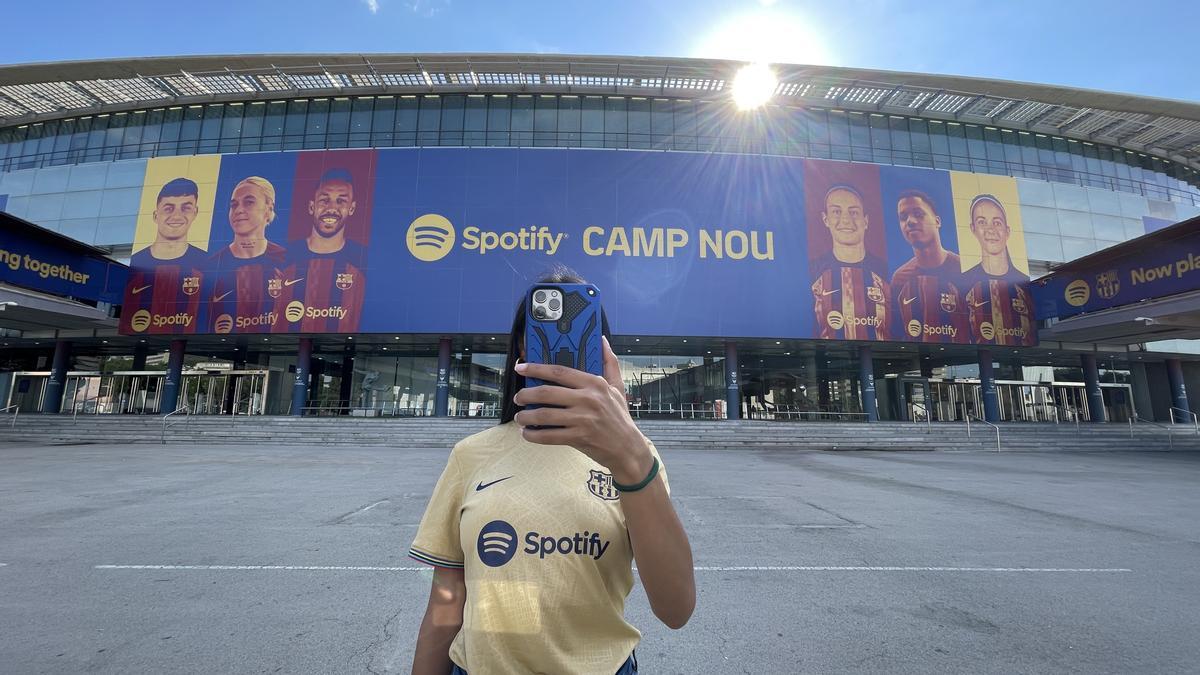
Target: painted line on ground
{"type": "Point", "coordinates": [737, 568]}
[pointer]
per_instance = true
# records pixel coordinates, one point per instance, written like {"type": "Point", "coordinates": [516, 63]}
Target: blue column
{"type": "Point", "coordinates": [1091, 382]}
{"type": "Point", "coordinates": [1179, 397]}
{"type": "Point", "coordinates": [170, 395]}
{"type": "Point", "coordinates": [300, 383]}
{"type": "Point", "coordinates": [987, 387]}
{"type": "Point", "coordinates": [733, 394]}
{"type": "Point", "coordinates": [441, 400]}
{"type": "Point", "coordinates": [52, 403]}
{"type": "Point", "coordinates": [866, 376]}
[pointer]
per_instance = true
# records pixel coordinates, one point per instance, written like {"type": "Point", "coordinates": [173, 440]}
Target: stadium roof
{"type": "Point", "coordinates": [42, 91]}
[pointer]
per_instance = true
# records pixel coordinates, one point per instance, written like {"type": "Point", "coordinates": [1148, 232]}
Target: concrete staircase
{"type": "Point", "coordinates": [667, 434]}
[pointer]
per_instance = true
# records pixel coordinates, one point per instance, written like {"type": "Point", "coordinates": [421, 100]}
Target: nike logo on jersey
{"type": "Point", "coordinates": [218, 298]}
{"type": "Point", "coordinates": [483, 486]}
{"type": "Point", "coordinates": [830, 292]}
{"type": "Point", "coordinates": [909, 301]}
{"type": "Point", "coordinates": [289, 282]}
{"type": "Point", "coordinates": [977, 305]}
{"type": "Point", "coordinates": [139, 289]}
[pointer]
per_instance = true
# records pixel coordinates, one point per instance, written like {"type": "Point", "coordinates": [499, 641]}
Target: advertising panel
{"type": "Point", "coordinates": [681, 244]}
{"type": "Point", "coordinates": [27, 262]}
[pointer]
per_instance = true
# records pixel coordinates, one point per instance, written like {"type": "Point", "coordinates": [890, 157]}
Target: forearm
{"type": "Point", "coordinates": [662, 552]}
{"type": "Point", "coordinates": [432, 654]}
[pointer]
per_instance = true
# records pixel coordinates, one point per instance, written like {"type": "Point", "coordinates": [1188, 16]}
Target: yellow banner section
{"type": "Point", "coordinates": [164, 172]}
{"type": "Point", "coordinates": [978, 219]}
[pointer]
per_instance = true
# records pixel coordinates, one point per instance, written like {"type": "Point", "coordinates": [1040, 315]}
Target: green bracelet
{"type": "Point", "coordinates": [645, 481]}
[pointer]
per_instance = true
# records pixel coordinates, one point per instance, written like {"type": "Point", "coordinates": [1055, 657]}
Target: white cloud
{"type": "Point", "coordinates": [427, 8]}
{"type": "Point", "coordinates": [372, 5]}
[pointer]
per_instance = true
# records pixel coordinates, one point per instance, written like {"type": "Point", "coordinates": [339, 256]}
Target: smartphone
{"type": "Point", "coordinates": [562, 327]}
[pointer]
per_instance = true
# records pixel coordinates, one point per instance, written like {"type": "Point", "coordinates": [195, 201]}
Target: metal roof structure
{"type": "Point", "coordinates": [31, 93]}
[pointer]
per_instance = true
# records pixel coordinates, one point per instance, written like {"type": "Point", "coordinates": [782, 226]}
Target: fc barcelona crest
{"type": "Point", "coordinates": [274, 287]}
{"type": "Point", "coordinates": [875, 293]}
{"type": "Point", "coordinates": [948, 301]}
{"type": "Point", "coordinates": [191, 285]}
{"type": "Point", "coordinates": [1019, 306]}
{"type": "Point", "coordinates": [600, 484]}
{"type": "Point", "coordinates": [1108, 284]}
{"type": "Point", "coordinates": [344, 280]}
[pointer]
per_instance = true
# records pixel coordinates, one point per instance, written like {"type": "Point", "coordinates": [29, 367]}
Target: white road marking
{"type": "Point", "coordinates": [739, 568]}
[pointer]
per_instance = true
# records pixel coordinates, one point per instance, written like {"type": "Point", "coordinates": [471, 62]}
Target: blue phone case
{"type": "Point", "coordinates": [574, 340]}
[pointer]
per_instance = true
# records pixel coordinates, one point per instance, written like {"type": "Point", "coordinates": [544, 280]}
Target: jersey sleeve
{"type": "Point", "coordinates": [437, 542]}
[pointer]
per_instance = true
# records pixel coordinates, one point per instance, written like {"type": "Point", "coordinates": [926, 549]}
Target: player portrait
{"type": "Point", "coordinates": [846, 251]}
{"type": "Point", "coordinates": [999, 305]}
{"type": "Point", "coordinates": [326, 278]}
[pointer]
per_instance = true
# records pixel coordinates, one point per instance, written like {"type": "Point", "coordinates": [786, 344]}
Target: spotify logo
{"type": "Point", "coordinates": [430, 237]}
{"type": "Point", "coordinates": [140, 320]}
{"type": "Point", "coordinates": [223, 324]}
{"type": "Point", "coordinates": [1078, 293]}
{"type": "Point", "coordinates": [987, 330]}
{"type": "Point", "coordinates": [294, 311]}
{"type": "Point", "coordinates": [835, 320]}
{"type": "Point", "coordinates": [914, 328]}
{"type": "Point", "coordinates": [497, 543]}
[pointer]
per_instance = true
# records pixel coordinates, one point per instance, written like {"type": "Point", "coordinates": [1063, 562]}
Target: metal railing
{"type": "Point", "coordinates": [1142, 420]}
{"type": "Point", "coordinates": [483, 409]}
{"type": "Point", "coordinates": [980, 419]}
{"type": "Point", "coordinates": [925, 412]}
{"type": "Point", "coordinates": [16, 409]}
{"type": "Point", "coordinates": [76, 405]}
{"type": "Point", "coordinates": [1186, 414]}
{"type": "Point", "coordinates": [167, 423]}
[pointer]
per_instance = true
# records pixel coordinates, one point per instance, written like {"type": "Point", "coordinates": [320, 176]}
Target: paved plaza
{"type": "Point", "coordinates": [189, 559]}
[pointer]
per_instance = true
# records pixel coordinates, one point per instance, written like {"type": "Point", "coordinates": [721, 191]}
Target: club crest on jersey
{"type": "Point", "coordinates": [191, 285]}
{"type": "Point", "coordinates": [875, 294]}
{"type": "Point", "coordinates": [274, 287]}
{"type": "Point", "coordinates": [601, 485]}
{"type": "Point", "coordinates": [344, 280]}
{"type": "Point", "coordinates": [1019, 306]}
{"type": "Point", "coordinates": [948, 301]}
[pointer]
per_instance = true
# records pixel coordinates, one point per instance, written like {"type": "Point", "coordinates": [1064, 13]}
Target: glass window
{"type": "Point", "coordinates": [685, 125]}
{"type": "Point", "coordinates": [592, 122]}
{"type": "Point", "coordinates": [475, 121]}
{"type": "Point", "coordinates": [521, 123]}
{"type": "Point", "coordinates": [429, 120]}
{"type": "Point", "coordinates": [939, 145]}
{"type": "Point", "coordinates": [316, 124]}
{"type": "Point", "coordinates": [818, 133]}
{"type": "Point", "coordinates": [150, 133]}
{"type": "Point", "coordinates": [252, 126]}
{"type": "Point", "coordinates": [113, 138]}
{"type": "Point", "coordinates": [360, 121]}
{"type": "Point", "coordinates": [956, 139]}
{"type": "Point", "coordinates": [639, 123]}
{"type": "Point", "coordinates": [881, 139]}
{"type": "Point", "coordinates": [273, 125]}
{"type": "Point", "coordinates": [545, 121]}
{"type": "Point", "coordinates": [499, 114]}
{"type": "Point", "coordinates": [569, 110]}
{"type": "Point", "coordinates": [901, 141]}
{"type": "Point", "coordinates": [383, 121]}
{"type": "Point", "coordinates": [407, 111]}
{"type": "Point", "coordinates": [210, 128]}
{"type": "Point", "coordinates": [839, 135]}
{"type": "Point", "coordinates": [80, 138]}
{"type": "Point", "coordinates": [662, 123]}
{"type": "Point", "coordinates": [231, 127]}
{"type": "Point", "coordinates": [293, 128]}
{"type": "Point", "coordinates": [450, 132]}
{"type": "Point", "coordinates": [615, 122]}
{"type": "Point", "coordinates": [337, 134]}
{"type": "Point", "coordinates": [62, 142]}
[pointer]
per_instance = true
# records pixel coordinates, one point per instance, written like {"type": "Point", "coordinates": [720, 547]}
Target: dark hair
{"type": "Point", "coordinates": [559, 274]}
{"type": "Point", "coordinates": [336, 175]}
{"type": "Point", "coordinates": [178, 187]}
{"type": "Point", "coordinates": [917, 194]}
{"type": "Point", "coordinates": [843, 187]}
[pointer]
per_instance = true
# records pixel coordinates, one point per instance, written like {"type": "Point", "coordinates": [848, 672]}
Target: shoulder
{"type": "Point", "coordinates": [141, 259]}
{"type": "Point", "coordinates": [476, 449]}
{"type": "Point", "coordinates": [275, 251]}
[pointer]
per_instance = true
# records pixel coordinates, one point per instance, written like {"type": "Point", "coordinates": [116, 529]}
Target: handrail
{"type": "Point", "coordinates": [16, 408]}
{"type": "Point", "coordinates": [928, 417]}
{"type": "Point", "coordinates": [165, 425]}
{"type": "Point", "coordinates": [1071, 414]}
{"type": "Point", "coordinates": [1143, 420]}
{"type": "Point", "coordinates": [75, 411]}
{"type": "Point", "coordinates": [1195, 418]}
{"type": "Point", "coordinates": [994, 426]}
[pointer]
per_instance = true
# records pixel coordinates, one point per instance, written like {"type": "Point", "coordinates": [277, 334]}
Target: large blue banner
{"type": "Point", "coordinates": [27, 262]}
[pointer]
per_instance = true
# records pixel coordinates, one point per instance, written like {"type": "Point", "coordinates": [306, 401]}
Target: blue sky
{"type": "Point", "coordinates": [1137, 47]}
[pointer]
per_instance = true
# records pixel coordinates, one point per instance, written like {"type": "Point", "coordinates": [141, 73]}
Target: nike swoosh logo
{"type": "Point", "coordinates": [830, 292]}
{"type": "Point", "coordinates": [218, 298]}
{"type": "Point", "coordinates": [483, 485]}
{"type": "Point", "coordinates": [980, 304]}
{"type": "Point", "coordinates": [289, 282]}
{"type": "Point", "coordinates": [141, 288]}
{"type": "Point", "coordinates": [908, 301]}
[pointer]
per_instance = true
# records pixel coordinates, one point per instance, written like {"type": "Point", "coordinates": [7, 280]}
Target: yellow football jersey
{"type": "Point", "coordinates": [541, 536]}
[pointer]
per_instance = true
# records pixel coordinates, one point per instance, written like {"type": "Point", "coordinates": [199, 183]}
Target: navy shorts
{"type": "Point", "coordinates": [630, 667]}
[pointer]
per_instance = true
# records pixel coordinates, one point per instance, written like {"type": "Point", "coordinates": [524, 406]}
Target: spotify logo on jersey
{"type": "Point", "coordinates": [497, 543]}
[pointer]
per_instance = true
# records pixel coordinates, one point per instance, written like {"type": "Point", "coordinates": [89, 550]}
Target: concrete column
{"type": "Point", "coordinates": [733, 398]}
{"type": "Point", "coordinates": [866, 376]}
{"type": "Point", "coordinates": [346, 388]}
{"type": "Point", "coordinates": [441, 396]}
{"type": "Point", "coordinates": [303, 371]}
{"type": "Point", "coordinates": [140, 351]}
{"type": "Point", "coordinates": [812, 386]}
{"type": "Point", "coordinates": [926, 367]}
{"type": "Point", "coordinates": [1179, 397]}
{"type": "Point", "coordinates": [1091, 381]}
{"type": "Point", "coordinates": [170, 394]}
{"type": "Point", "coordinates": [52, 403]}
{"type": "Point", "coordinates": [987, 387]}
{"type": "Point", "coordinates": [1143, 403]}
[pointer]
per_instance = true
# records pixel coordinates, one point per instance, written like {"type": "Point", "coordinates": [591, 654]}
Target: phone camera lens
{"type": "Point", "coordinates": [554, 304]}
{"type": "Point", "coordinates": [540, 296]}
{"type": "Point", "coordinates": [539, 313]}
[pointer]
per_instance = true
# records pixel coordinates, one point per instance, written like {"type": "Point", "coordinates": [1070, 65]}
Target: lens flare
{"type": "Point", "coordinates": [754, 85]}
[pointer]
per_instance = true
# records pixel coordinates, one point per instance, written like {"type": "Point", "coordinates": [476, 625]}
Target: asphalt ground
{"type": "Point", "coordinates": [150, 559]}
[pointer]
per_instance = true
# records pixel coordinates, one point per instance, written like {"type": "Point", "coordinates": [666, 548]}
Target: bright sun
{"type": "Point", "coordinates": [764, 36]}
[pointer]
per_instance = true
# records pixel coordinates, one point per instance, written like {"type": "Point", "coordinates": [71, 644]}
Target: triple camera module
{"type": "Point", "coordinates": [547, 304]}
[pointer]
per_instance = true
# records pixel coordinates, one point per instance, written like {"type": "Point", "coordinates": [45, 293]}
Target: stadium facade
{"type": "Point", "coordinates": [349, 234]}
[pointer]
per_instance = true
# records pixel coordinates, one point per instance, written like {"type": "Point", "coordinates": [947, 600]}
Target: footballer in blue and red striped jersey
{"type": "Point", "coordinates": [850, 289]}
{"type": "Point", "coordinates": [162, 295]}
{"type": "Point", "coordinates": [998, 299]}
{"type": "Point", "coordinates": [247, 288]}
{"type": "Point", "coordinates": [927, 289]}
{"type": "Point", "coordinates": [325, 280]}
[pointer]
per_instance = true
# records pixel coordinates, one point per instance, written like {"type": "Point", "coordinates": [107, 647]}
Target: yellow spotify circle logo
{"type": "Point", "coordinates": [223, 324]}
{"type": "Point", "coordinates": [987, 330]}
{"type": "Point", "coordinates": [1078, 293]}
{"type": "Point", "coordinates": [430, 237]}
{"type": "Point", "coordinates": [140, 320]}
{"type": "Point", "coordinates": [835, 320]}
{"type": "Point", "coordinates": [294, 311]}
{"type": "Point", "coordinates": [914, 328]}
